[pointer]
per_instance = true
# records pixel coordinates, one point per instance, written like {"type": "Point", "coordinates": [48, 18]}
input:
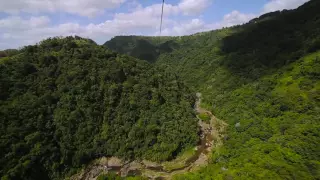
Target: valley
{"type": "Point", "coordinates": [129, 109]}
{"type": "Point", "coordinates": [211, 137]}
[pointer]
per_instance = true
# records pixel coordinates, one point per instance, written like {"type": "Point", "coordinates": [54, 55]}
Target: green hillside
{"type": "Point", "coordinates": [277, 132]}
{"type": "Point", "coordinates": [68, 101]}
{"type": "Point", "coordinates": [145, 48]}
{"type": "Point", "coordinates": [263, 79]}
{"type": "Point", "coordinates": [8, 52]}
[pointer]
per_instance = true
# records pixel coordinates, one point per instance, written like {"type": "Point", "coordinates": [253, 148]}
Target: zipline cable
{"type": "Point", "coordinates": [161, 17]}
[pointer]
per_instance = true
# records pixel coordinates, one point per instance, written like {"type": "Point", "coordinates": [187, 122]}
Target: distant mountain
{"type": "Point", "coordinates": [8, 52]}
{"type": "Point", "coordinates": [145, 48]}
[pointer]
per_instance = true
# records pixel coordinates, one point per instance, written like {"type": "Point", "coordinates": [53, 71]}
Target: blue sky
{"type": "Point", "coordinates": [24, 22]}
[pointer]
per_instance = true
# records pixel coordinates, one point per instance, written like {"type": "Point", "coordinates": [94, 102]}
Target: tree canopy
{"type": "Point", "coordinates": [67, 101]}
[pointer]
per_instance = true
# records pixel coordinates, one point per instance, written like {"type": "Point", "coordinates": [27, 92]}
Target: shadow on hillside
{"type": "Point", "coordinates": [146, 51]}
{"type": "Point", "coordinates": [140, 48]}
{"type": "Point", "coordinates": [273, 40]}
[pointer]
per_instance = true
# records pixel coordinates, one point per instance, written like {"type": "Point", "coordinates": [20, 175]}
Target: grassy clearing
{"type": "Point", "coordinates": [204, 116]}
{"type": "Point", "coordinates": [180, 161]}
{"type": "Point", "coordinates": [2, 60]}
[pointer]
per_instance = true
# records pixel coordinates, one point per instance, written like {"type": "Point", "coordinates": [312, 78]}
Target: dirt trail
{"type": "Point", "coordinates": [211, 137]}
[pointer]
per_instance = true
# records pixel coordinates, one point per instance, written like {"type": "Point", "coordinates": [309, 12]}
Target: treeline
{"type": "Point", "coordinates": [67, 101]}
{"type": "Point", "coordinates": [8, 53]}
{"type": "Point", "coordinates": [144, 48]}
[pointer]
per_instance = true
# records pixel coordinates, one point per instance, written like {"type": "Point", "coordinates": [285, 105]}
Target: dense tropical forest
{"type": "Point", "coordinates": [67, 101]}
{"type": "Point", "coordinates": [263, 79]}
{"type": "Point", "coordinates": [142, 47]}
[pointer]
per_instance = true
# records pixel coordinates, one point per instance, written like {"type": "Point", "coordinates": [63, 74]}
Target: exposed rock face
{"type": "Point", "coordinates": [150, 164]}
{"type": "Point", "coordinates": [238, 124]}
{"type": "Point", "coordinates": [93, 171]}
{"type": "Point", "coordinates": [114, 162]}
{"type": "Point", "coordinates": [134, 166]}
{"type": "Point", "coordinates": [103, 161]}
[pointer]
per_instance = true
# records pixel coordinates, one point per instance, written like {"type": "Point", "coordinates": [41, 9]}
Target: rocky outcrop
{"type": "Point", "coordinates": [132, 168]}
{"type": "Point", "coordinates": [115, 162]}
{"type": "Point", "coordinates": [149, 164]}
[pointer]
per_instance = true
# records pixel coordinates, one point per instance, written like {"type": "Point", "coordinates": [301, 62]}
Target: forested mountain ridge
{"type": "Point", "coordinates": [8, 52]}
{"type": "Point", "coordinates": [67, 101]}
{"type": "Point", "coordinates": [141, 47]}
{"type": "Point", "coordinates": [292, 31]}
{"type": "Point", "coordinates": [263, 79]}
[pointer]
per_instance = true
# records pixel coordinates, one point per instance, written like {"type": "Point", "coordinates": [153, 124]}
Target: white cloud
{"type": "Point", "coordinates": [186, 7]}
{"type": "Point", "coordinates": [15, 23]}
{"type": "Point", "coordinates": [192, 27]}
{"type": "Point", "coordinates": [133, 5]}
{"type": "Point", "coordinates": [198, 25]}
{"type": "Point", "coordinates": [191, 7]}
{"type": "Point", "coordinates": [20, 31]}
{"type": "Point", "coordinates": [148, 18]}
{"type": "Point", "coordinates": [184, 28]}
{"type": "Point", "coordinates": [234, 18]}
{"type": "Point", "coordinates": [92, 8]}
{"type": "Point", "coordinates": [16, 31]}
{"type": "Point", "coordinates": [275, 5]}
{"type": "Point", "coordinates": [80, 7]}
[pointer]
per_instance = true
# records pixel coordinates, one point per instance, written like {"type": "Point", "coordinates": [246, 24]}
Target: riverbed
{"type": "Point", "coordinates": [211, 135]}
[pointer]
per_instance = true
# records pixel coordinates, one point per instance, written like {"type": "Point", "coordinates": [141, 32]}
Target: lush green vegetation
{"type": "Point", "coordinates": [180, 161]}
{"type": "Point", "coordinates": [263, 79]}
{"type": "Point", "coordinates": [68, 101]}
{"type": "Point", "coordinates": [110, 176]}
{"type": "Point", "coordinates": [277, 132]}
{"type": "Point", "coordinates": [204, 116]}
{"type": "Point", "coordinates": [8, 53]}
{"type": "Point", "coordinates": [145, 48]}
